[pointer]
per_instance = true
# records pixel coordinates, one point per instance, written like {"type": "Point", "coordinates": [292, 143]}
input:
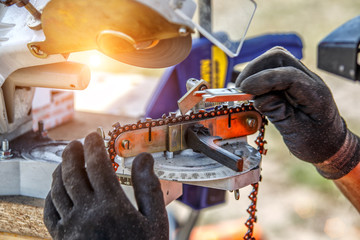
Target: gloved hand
{"type": "Point", "coordinates": [89, 203]}
{"type": "Point", "coordinates": [302, 108]}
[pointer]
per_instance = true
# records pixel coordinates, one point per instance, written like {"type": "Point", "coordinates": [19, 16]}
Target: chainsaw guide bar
{"type": "Point", "coordinates": [165, 139]}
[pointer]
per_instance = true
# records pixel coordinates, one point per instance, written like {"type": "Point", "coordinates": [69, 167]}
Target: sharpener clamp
{"type": "Point", "coordinates": [199, 139]}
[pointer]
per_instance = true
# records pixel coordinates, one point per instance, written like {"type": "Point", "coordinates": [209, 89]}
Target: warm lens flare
{"type": "Point", "coordinates": [94, 60]}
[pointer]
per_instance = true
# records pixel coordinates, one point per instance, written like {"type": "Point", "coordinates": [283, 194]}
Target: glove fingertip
{"type": "Point", "coordinates": [73, 146]}
{"type": "Point", "coordinates": [142, 162]}
{"type": "Point", "coordinates": [147, 188]}
{"type": "Point", "coordinates": [249, 85]}
{"type": "Point", "coordinates": [95, 153]}
{"type": "Point", "coordinates": [93, 139]}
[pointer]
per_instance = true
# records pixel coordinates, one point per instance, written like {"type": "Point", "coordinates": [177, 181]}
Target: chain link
{"type": "Point", "coordinates": [253, 194]}
{"type": "Point", "coordinates": [252, 211]}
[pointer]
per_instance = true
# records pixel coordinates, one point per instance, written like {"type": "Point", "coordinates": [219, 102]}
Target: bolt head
{"type": "Point", "coordinates": [251, 122]}
{"type": "Point", "coordinates": [183, 31]}
{"type": "Point", "coordinates": [126, 144]}
{"type": "Point", "coordinates": [6, 154]}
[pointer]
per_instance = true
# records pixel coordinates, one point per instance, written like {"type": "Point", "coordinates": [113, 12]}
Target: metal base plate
{"type": "Point", "coordinates": [197, 169]}
{"type": "Point", "coordinates": [49, 151]}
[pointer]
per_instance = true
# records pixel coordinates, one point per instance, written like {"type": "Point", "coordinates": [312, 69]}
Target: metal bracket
{"type": "Point", "coordinates": [199, 139]}
{"type": "Point", "coordinates": [338, 53]}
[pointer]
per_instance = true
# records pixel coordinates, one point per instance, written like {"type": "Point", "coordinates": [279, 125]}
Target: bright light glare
{"type": "Point", "coordinates": [335, 228]}
{"type": "Point", "coordinates": [94, 60]}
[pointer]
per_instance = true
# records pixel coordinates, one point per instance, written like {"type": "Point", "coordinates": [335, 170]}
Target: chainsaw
{"type": "Point", "coordinates": [204, 143]}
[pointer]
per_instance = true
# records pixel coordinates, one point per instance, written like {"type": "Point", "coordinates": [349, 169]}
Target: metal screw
{"type": "Point", "coordinates": [41, 129]}
{"type": "Point", "coordinates": [183, 31]}
{"type": "Point", "coordinates": [5, 152]}
{"type": "Point", "coordinates": [352, 72]}
{"type": "Point", "coordinates": [251, 122]}
{"type": "Point", "coordinates": [237, 194]}
{"type": "Point", "coordinates": [202, 87]}
{"type": "Point", "coordinates": [5, 145]}
{"type": "Point", "coordinates": [37, 51]}
{"type": "Point", "coordinates": [126, 144]}
{"type": "Point", "coordinates": [341, 68]}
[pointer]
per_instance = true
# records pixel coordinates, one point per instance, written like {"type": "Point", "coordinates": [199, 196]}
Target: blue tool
{"type": "Point", "coordinates": [208, 62]}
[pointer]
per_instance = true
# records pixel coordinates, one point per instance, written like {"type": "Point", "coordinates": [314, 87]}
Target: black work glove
{"type": "Point", "coordinates": [89, 203]}
{"type": "Point", "coordinates": [302, 108]}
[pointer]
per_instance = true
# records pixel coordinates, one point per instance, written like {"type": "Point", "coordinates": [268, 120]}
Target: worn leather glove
{"type": "Point", "coordinates": [302, 108]}
{"type": "Point", "coordinates": [89, 203]}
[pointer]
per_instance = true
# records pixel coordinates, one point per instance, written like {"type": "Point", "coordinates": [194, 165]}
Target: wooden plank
{"type": "Point", "coordinates": [12, 236]}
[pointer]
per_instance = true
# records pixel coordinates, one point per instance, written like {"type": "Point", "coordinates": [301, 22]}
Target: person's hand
{"type": "Point", "coordinates": [86, 200]}
{"type": "Point", "coordinates": [302, 108]}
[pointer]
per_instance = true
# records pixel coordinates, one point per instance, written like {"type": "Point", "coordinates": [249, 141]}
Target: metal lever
{"type": "Point", "coordinates": [223, 95]}
{"type": "Point", "coordinates": [199, 139]}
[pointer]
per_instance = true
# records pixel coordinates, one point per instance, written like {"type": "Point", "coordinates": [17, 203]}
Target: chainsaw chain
{"type": "Point", "coordinates": [201, 114]}
{"type": "Point", "coordinates": [260, 142]}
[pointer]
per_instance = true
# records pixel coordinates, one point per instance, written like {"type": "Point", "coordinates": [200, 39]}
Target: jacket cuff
{"type": "Point", "coordinates": [343, 161]}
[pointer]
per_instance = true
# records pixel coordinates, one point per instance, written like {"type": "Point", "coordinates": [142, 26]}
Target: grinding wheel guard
{"type": "Point", "coordinates": [143, 33]}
